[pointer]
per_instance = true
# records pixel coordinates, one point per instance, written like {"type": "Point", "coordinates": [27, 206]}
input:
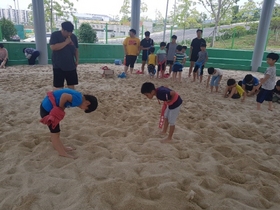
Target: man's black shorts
{"type": "Point", "coordinates": [44, 113]}
{"type": "Point", "coordinates": [194, 57]}
{"type": "Point", "coordinates": [59, 76]}
{"type": "Point", "coordinates": [130, 60]}
{"type": "Point", "coordinates": [169, 62]}
{"type": "Point", "coordinates": [145, 54]}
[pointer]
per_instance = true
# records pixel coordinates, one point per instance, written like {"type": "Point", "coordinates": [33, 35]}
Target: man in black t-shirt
{"type": "Point", "coordinates": [65, 56]}
{"type": "Point", "coordinates": [195, 48]}
{"type": "Point", "coordinates": [145, 45]}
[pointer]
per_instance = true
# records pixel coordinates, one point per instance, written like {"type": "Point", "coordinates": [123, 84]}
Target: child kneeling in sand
{"type": "Point", "coordinates": [52, 112]}
{"type": "Point", "coordinates": [276, 92]}
{"type": "Point", "coordinates": [234, 91]}
{"type": "Point", "coordinates": [173, 102]}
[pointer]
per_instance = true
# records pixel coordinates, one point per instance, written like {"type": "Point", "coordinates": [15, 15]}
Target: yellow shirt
{"type": "Point", "coordinates": [132, 45]}
{"type": "Point", "coordinates": [240, 90]}
{"type": "Point", "coordinates": [152, 59]}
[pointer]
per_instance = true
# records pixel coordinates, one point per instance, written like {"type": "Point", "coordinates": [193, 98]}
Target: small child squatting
{"type": "Point", "coordinates": [63, 98]}
{"type": "Point", "coordinates": [172, 100]}
{"type": "Point", "coordinates": [234, 91]}
{"type": "Point", "coordinates": [267, 83]}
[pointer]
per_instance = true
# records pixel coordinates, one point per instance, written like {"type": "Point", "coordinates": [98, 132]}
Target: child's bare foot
{"type": "Point", "coordinates": [69, 149]}
{"type": "Point", "coordinates": [167, 140]}
{"type": "Point", "coordinates": [270, 109]}
{"type": "Point", "coordinates": [68, 156]}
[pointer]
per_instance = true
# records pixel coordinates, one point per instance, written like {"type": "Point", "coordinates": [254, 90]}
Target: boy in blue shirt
{"type": "Point", "coordinates": [173, 102]}
{"type": "Point", "coordinates": [249, 84]}
{"type": "Point", "coordinates": [179, 61]}
{"type": "Point", "coordinates": [199, 64]}
{"type": "Point", "coordinates": [52, 108]}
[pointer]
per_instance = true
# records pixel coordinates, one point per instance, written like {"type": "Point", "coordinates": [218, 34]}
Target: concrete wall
{"type": "Point", "coordinates": [97, 53]}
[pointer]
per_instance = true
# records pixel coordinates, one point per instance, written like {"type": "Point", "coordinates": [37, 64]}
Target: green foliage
{"type": "Point", "coordinates": [87, 34]}
{"type": "Point", "coordinates": [249, 12]}
{"type": "Point", "coordinates": [8, 29]}
{"type": "Point", "coordinates": [275, 24]}
{"type": "Point", "coordinates": [276, 11]}
{"type": "Point", "coordinates": [59, 8]}
{"type": "Point", "coordinates": [253, 28]}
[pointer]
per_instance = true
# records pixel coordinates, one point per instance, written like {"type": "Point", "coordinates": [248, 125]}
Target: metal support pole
{"type": "Point", "coordinates": [262, 33]}
{"type": "Point", "coordinates": [106, 31]}
{"type": "Point", "coordinates": [165, 21]}
{"type": "Point", "coordinates": [18, 11]}
{"type": "Point", "coordinates": [142, 32]}
{"type": "Point", "coordinates": [135, 15]}
{"type": "Point", "coordinates": [40, 30]}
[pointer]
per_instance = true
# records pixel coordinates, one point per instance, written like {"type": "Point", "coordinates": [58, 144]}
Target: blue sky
{"type": "Point", "coordinates": [109, 7]}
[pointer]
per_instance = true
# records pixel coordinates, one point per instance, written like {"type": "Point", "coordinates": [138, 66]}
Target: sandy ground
{"type": "Point", "coordinates": [225, 154]}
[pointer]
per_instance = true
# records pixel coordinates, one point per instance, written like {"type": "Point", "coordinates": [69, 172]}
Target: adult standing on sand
{"type": "Point", "coordinates": [195, 48]}
{"type": "Point", "coordinates": [65, 56]}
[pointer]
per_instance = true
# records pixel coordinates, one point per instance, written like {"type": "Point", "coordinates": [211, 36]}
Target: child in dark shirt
{"type": "Point", "coordinates": [172, 102]}
{"type": "Point", "coordinates": [276, 92]}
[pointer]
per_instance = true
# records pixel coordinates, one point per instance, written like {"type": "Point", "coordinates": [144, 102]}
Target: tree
{"type": "Point", "coordinates": [276, 11]}
{"type": "Point", "coordinates": [8, 29]}
{"type": "Point", "coordinates": [249, 12]}
{"type": "Point", "coordinates": [275, 26]}
{"type": "Point", "coordinates": [87, 34]}
{"type": "Point", "coordinates": [159, 17]}
{"type": "Point", "coordinates": [218, 9]}
{"type": "Point", "coordinates": [56, 8]}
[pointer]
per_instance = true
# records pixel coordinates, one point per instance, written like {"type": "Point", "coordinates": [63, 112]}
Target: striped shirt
{"type": "Point", "coordinates": [180, 57]}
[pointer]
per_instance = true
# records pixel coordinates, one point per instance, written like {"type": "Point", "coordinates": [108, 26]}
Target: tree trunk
{"type": "Point", "coordinates": [276, 35]}
{"type": "Point", "coordinates": [214, 34]}
{"type": "Point", "coordinates": [184, 33]}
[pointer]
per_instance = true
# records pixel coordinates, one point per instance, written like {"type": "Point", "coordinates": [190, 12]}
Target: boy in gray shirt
{"type": "Point", "coordinates": [199, 64]}
{"type": "Point", "coordinates": [170, 52]}
{"type": "Point", "coordinates": [268, 82]}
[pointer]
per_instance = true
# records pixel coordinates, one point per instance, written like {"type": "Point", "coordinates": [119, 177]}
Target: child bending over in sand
{"type": "Point", "coordinates": [216, 75]}
{"type": "Point", "coordinates": [276, 92]}
{"type": "Point", "coordinates": [233, 90]}
{"type": "Point", "coordinates": [267, 83]}
{"type": "Point", "coordinates": [172, 102]}
{"type": "Point", "coordinates": [52, 112]}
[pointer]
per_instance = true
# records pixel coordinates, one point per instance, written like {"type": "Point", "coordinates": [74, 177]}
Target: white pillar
{"type": "Point", "coordinates": [135, 15]}
{"type": "Point", "coordinates": [40, 30]}
{"type": "Point", "coordinates": [263, 28]}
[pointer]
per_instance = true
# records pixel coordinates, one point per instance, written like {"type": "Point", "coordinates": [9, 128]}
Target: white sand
{"type": "Point", "coordinates": [225, 154]}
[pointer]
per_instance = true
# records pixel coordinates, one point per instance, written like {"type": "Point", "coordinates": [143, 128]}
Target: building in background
{"type": "Point", "coordinates": [15, 15]}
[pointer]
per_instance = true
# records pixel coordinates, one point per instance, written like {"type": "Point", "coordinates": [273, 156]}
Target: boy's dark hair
{"type": "Point", "coordinates": [147, 87]}
{"type": "Point", "coordinates": [211, 70]}
{"type": "Point", "coordinates": [179, 48]}
{"type": "Point", "coordinates": [1, 45]}
{"type": "Point", "coordinates": [231, 82]}
{"type": "Point", "coordinates": [67, 26]}
{"type": "Point", "coordinates": [273, 56]}
{"type": "Point", "coordinates": [23, 50]}
{"type": "Point", "coordinates": [185, 47]}
{"type": "Point", "coordinates": [278, 83]}
{"type": "Point", "coordinates": [174, 37]}
{"type": "Point", "coordinates": [93, 103]}
{"type": "Point", "coordinates": [203, 44]}
{"type": "Point", "coordinates": [147, 33]}
{"type": "Point", "coordinates": [133, 31]}
{"type": "Point", "coordinates": [248, 78]}
{"type": "Point", "coordinates": [162, 44]}
{"type": "Point", "coordinates": [199, 30]}
{"type": "Point", "coordinates": [152, 49]}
